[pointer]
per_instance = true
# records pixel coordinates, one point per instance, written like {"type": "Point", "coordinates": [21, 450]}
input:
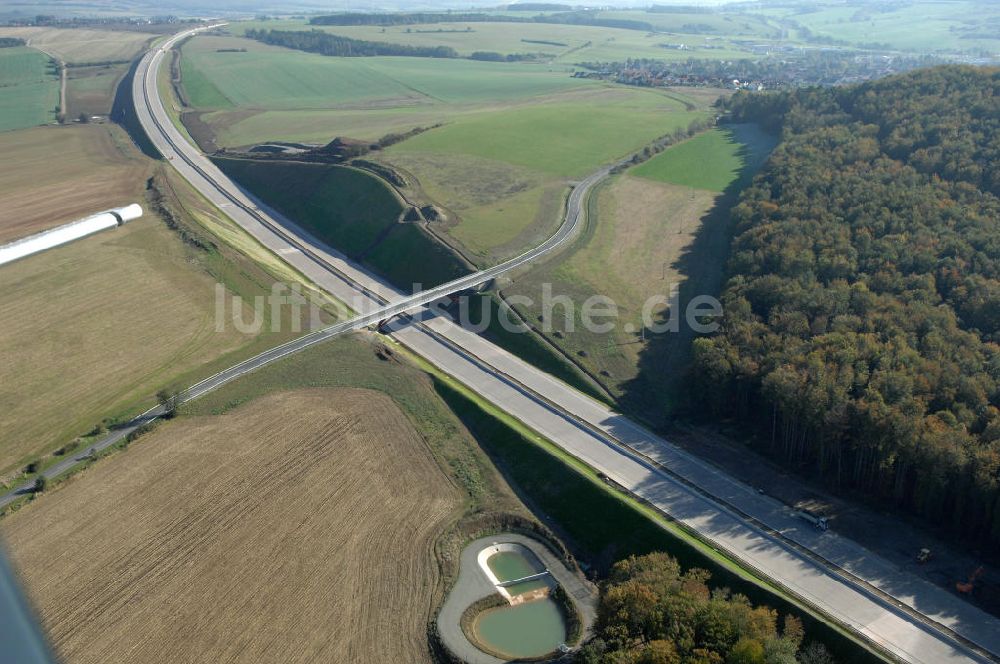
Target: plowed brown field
{"type": "Point", "coordinates": [299, 527]}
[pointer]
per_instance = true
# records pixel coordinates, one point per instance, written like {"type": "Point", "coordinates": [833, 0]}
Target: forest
{"type": "Point", "coordinates": [317, 41]}
{"type": "Point", "coordinates": [862, 310]}
{"type": "Point", "coordinates": [562, 18]}
{"type": "Point", "coordinates": [652, 612]}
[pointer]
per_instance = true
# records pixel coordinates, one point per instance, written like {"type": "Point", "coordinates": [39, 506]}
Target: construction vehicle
{"type": "Point", "coordinates": [820, 522]}
{"type": "Point", "coordinates": [923, 556]}
{"type": "Point", "coordinates": [966, 587]}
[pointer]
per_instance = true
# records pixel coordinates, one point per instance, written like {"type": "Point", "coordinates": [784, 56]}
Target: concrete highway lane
{"type": "Point", "coordinates": [904, 616]}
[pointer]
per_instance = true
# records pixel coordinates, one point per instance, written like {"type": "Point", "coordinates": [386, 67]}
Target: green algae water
{"type": "Point", "coordinates": [525, 630]}
{"type": "Point", "coordinates": [511, 565]}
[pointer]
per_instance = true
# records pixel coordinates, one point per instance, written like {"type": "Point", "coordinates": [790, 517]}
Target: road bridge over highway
{"type": "Point", "coordinates": [896, 613]}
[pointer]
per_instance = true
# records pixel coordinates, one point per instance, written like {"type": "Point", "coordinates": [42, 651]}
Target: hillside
{"type": "Point", "coordinates": [352, 211]}
{"type": "Point", "coordinates": [862, 311]}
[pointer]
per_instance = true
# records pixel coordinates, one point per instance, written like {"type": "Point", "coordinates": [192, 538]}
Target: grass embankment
{"type": "Point", "coordinates": [30, 84]}
{"type": "Point", "coordinates": [352, 211]}
{"type": "Point", "coordinates": [644, 237]}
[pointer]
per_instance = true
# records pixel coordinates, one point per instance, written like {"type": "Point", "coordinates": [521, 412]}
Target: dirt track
{"type": "Point", "coordinates": [296, 528]}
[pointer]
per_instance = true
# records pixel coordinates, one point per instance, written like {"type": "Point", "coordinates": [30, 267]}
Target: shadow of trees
{"type": "Point", "coordinates": [657, 391]}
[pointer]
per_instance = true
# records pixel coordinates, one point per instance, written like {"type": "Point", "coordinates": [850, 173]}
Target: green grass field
{"type": "Point", "coordinates": [269, 93]}
{"type": "Point", "coordinates": [922, 25]}
{"type": "Point", "coordinates": [512, 133]}
{"type": "Point", "coordinates": [712, 160]}
{"type": "Point", "coordinates": [91, 90]}
{"type": "Point", "coordinates": [279, 79]}
{"type": "Point", "coordinates": [561, 139]}
{"type": "Point", "coordinates": [567, 44]}
{"type": "Point", "coordinates": [30, 88]}
{"type": "Point", "coordinates": [701, 23]}
{"type": "Point", "coordinates": [505, 173]}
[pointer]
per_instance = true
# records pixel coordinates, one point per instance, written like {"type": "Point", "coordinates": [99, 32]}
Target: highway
{"type": "Point", "coordinates": [904, 616]}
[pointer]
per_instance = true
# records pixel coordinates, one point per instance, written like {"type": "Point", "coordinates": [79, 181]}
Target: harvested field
{"type": "Point", "coordinates": [93, 326]}
{"type": "Point", "coordinates": [96, 170]}
{"type": "Point", "coordinates": [297, 529]}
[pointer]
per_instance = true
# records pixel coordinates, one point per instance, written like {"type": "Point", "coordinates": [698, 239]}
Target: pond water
{"type": "Point", "coordinates": [524, 630]}
{"type": "Point", "coordinates": [510, 565]}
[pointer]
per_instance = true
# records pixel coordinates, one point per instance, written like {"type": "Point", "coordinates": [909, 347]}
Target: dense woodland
{"type": "Point", "coordinates": [862, 313]}
{"type": "Point", "coordinates": [653, 613]}
{"type": "Point", "coordinates": [317, 41]}
{"type": "Point", "coordinates": [561, 18]}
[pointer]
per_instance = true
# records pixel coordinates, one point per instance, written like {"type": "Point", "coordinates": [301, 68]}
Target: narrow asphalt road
{"type": "Point", "coordinates": [906, 617]}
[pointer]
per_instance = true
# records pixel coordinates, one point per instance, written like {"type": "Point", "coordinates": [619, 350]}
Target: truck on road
{"type": "Point", "coordinates": [820, 522]}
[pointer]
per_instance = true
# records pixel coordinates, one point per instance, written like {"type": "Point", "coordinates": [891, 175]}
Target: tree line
{"type": "Point", "coordinates": [412, 18]}
{"type": "Point", "coordinates": [10, 42]}
{"type": "Point", "coordinates": [862, 310]}
{"type": "Point", "coordinates": [324, 43]}
{"type": "Point", "coordinates": [652, 612]}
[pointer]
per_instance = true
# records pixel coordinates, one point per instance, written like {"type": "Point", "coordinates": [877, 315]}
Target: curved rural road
{"type": "Point", "coordinates": [906, 617]}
